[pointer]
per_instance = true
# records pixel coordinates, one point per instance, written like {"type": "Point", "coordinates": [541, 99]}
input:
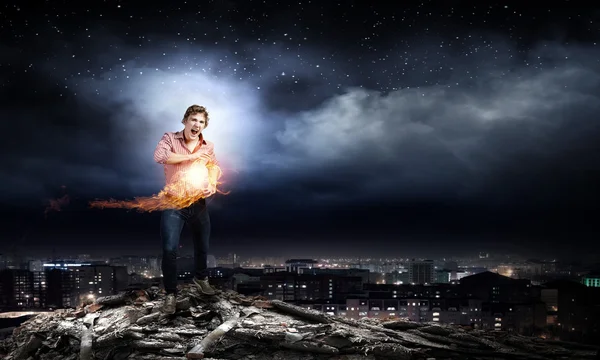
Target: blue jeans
{"type": "Point", "coordinates": [171, 225]}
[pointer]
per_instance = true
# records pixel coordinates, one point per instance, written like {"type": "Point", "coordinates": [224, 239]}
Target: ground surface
{"type": "Point", "coordinates": [231, 326]}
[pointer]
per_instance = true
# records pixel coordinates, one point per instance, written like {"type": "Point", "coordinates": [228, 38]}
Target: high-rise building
{"type": "Point", "coordinates": [67, 283]}
{"type": "Point", "coordinates": [16, 289]}
{"type": "Point", "coordinates": [61, 288]}
{"type": "Point", "coordinates": [421, 272]}
{"type": "Point", "coordinates": [96, 280]}
{"type": "Point", "coordinates": [39, 289]}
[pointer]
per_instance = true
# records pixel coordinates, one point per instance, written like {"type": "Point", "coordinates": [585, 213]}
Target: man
{"type": "Point", "coordinates": [178, 151]}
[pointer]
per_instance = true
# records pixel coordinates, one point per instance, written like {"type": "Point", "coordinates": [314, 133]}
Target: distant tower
{"type": "Point", "coordinates": [232, 258]}
{"type": "Point", "coordinates": [421, 272]}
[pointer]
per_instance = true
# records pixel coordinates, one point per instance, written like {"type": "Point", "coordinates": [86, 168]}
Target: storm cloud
{"type": "Point", "coordinates": [437, 139]}
{"type": "Point", "coordinates": [441, 140]}
{"type": "Point", "coordinates": [373, 125]}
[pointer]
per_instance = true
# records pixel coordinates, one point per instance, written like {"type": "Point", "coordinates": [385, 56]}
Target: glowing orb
{"type": "Point", "coordinates": [191, 182]}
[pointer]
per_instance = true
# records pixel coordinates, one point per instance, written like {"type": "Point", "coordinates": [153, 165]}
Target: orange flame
{"type": "Point", "coordinates": [57, 204]}
{"type": "Point", "coordinates": [199, 181]}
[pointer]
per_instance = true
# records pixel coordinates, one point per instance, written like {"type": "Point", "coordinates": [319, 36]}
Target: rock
{"type": "Point", "coordinates": [232, 326]}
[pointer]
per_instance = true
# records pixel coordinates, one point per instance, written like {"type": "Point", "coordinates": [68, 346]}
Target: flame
{"type": "Point", "coordinates": [57, 204]}
{"type": "Point", "coordinates": [199, 181]}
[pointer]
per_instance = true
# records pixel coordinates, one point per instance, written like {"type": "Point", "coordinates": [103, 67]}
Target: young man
{"type": "Point", "coordinates": [177, 151]}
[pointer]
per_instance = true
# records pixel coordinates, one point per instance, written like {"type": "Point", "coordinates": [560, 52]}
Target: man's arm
{"type": "Point", "coordinates": [175, 158]}
{"type": "Point", "coordinates": [163, 154]}
{"type": "Point", "coordinates": [212, 157]}
{"type": "Point", "coordinates": [214, 171]}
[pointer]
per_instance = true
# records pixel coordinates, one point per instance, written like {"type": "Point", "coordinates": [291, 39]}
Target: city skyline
{"type": "Point", "coordinates": [417, 128]}
{"type": "Point", "coordinates": [244, 258]}
{"type": "Point", "coordinates": [531, 300]}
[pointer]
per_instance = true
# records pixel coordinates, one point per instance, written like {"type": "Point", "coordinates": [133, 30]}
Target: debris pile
{"type": "Point", "coordinates": [228, 325]}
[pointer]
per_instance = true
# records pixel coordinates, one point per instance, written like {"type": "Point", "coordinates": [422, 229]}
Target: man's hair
{"type": "Point", "coordinates": [193, 110]}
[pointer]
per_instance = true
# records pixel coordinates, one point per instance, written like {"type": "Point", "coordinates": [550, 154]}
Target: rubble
{"type": "Point", "coordinates": [231, 326]}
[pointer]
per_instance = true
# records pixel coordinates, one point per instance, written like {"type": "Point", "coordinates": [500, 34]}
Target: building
{"type": "Point", "coordinates": [574, 311]}
{"type": "Point", "coordinates": [474, 303]}
{"type": "Point", "coordinates": [39, 289]}
{"type": "Point", "coordinates": [393, 291]}
{"type": "Point", "coordinates": [101, 280]}
{"type": "Point", "coordinates": [396, 277]}
{"type": "Point", "coordinates": [299, 266]}
{"type": "Point", "coordinates": [421, 272]}
{"type": "Point", "coordinates": [36, 265]}
{"type": "Point", "coordinates": [59, 285]}
{"type": "Point", "coordinates": [247, 281]}
{"type": "Point", "coordinates": [495, 288]}
{"type": "Point", "coordinates": [592, 280]}
{"type": "Point", "coordinates": [61, 288]}
{"type": "Point", "coordinates": [148, 266]}
{"type": "Point", "coordinates": [16, 289]}
{"type": "Point", "coordinates": [288, 286]}
{"type": "Point", "coordinates": [442, 276]}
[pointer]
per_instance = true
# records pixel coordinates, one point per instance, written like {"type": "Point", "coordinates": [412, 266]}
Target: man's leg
{"type": "Point", "coordinates": [171, 225]}
{"type": "Point", "coordinates": [200, 225]}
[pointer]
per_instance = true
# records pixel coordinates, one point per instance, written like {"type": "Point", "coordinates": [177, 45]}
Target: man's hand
{"type": "Point", "coordinates": [211, 190]}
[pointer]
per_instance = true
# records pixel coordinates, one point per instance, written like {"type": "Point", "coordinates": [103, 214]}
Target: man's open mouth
{"type": "Point", "coordinates": [195, 131]}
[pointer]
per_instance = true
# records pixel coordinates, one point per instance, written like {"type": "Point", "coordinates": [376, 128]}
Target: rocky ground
{"type": "Point", "coordinates": [230, 326]}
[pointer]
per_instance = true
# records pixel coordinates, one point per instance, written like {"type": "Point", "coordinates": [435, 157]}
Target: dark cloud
{"type": "Point", "coordinates": [426, 140]}
{"type": "Point", "coordinates": [469, 137]}
{"type": "Point", "coordinates": [437, 139]}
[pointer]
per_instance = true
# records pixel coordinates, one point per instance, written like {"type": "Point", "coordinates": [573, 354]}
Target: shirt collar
{"type": "Point", "coordinates": [179, 135]}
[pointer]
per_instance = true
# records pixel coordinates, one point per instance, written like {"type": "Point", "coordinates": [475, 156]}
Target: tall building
{"type": "Point", "coordinates": [591, 280]}
{"type": "Point", "coordinates": [96, 280]}
{"type": "Point", "coordinates": [39, 289]}
{"type": "Point", "coordinates": [421, 272]}
{"type": "Point", "coordinates": [16, 289]}
{"type": "Point", "coordinates": [67, 283]}
{"type": "Point", "coordinates": [61, 288]}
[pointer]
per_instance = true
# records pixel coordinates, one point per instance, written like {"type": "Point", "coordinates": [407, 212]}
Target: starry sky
{"type": "Point", "coordinates": [343, 127]}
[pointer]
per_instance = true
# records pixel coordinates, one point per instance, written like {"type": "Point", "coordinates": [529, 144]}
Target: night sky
{"type": "Point", "coordinates": [343, 127]}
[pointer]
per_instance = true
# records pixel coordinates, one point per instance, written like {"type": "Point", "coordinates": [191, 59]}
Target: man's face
{"type": "Point", "coordinates": [194, 125]}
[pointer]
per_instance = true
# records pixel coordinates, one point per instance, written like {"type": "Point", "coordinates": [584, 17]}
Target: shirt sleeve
{"type": "Point", "coordinates": [163, 149]}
